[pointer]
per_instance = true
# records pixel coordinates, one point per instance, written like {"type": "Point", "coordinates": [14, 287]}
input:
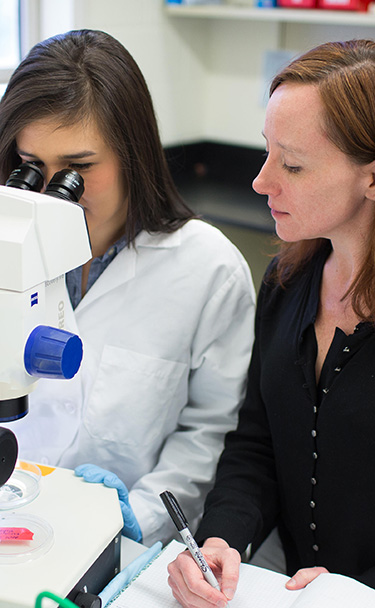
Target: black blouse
{"type": "Point", "coordinates": [303, 455]}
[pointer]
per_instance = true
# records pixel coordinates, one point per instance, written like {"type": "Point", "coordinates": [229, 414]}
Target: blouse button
{"type": "Point", "coordinates": [337, 369]}
{"type": "Point", "coordinates": [315, 455]}
{"type": "Point", "coordinates": [312, 526]}
{"type": "Point", "coordinates": [326, 390]}
{"type": "Point", "coordinates": [315, 548]}
{"type": "Point", "coordinates": [346, 349]}
{"type": "Point", "coordinates": [313, 433]}
{"type": "Point", "coordinates": [313, 481]}
{"type": "Point", "coordinates": [312, 504]}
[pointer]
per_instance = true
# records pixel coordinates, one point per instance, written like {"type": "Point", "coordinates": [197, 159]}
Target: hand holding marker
{"type": "Point", "coordinates": [182, 526]}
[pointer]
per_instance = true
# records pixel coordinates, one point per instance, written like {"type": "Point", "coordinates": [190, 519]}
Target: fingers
{"type": "Point", "coordinates": [228, 560]}
{"type": "Point", "coordinates": [189, 586]}
{"type": "Point", "coordinates": [90, 473]}
{"type": "Point", "coordinates": [82, 469]}
{"type": "Point", "coordinates": [230, 572]}
{"type": "Point", "coordinates": [131, 527]}
{"type": "Point", "coordinates": [94, 474]}
{"type": "Point", "coordinates": [304, 576]}
{"type": "Point", "coordinates": [112, 481]}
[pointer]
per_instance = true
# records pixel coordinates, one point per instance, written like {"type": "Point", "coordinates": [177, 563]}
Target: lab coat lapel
{"type": "Point", "coordinates": [162, 240]}
{"type": "Point", "coordinates": [123, 268]}
{"type": "Point", "coordinates": [119, 271]}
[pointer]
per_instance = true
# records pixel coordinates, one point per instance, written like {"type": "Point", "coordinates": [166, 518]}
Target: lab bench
{"type": "Point", "coordinates": [215, 180]}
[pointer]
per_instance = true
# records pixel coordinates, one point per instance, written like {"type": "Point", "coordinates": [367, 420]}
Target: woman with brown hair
{"type": "Point", "coordinates": [164, 307]}
{"type": "Point", "coordinates": [302, 457]}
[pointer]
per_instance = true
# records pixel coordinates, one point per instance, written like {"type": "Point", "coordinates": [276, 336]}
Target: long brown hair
{"type": "Point", "coordinates": [344, 73]}
{"type": "Point", "coordinates": [87, 74]}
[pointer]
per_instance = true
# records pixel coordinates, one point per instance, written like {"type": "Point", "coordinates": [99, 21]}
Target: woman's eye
{"type": "Point", "coordinates": [37, 163]}
{"type": "Point", "coordinates": [81, 166]}
{"type": "Point", "coordinates": [291, 168]}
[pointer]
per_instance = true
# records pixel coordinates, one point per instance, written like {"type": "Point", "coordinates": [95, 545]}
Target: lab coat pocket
{"type": "Point", "coordinates": [136, 399]}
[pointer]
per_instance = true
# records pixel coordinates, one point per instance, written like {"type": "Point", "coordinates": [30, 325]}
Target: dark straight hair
{"type": "Point", "coordinates": [84, 75]}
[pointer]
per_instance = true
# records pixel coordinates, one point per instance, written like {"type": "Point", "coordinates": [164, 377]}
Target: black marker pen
{"type": "Point", "coordinates": [182, 526]}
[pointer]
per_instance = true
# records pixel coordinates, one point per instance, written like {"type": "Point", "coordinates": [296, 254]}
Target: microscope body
{"type": "Point", "coordinates": [41, 238]}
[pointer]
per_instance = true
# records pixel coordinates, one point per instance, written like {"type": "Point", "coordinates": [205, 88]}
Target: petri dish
{"type": "Point", "coordinates": [22, 487]}
{"type": "Point", "coordinates": [23, 538]}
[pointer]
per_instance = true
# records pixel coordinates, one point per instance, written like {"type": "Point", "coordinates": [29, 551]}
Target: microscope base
{"type": "Point", "coordinates": [86, 521]}
{"type": "Point", "coordinates": [101, 572]}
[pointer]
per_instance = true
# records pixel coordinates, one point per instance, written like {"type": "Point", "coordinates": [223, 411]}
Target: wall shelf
{"type": "Point", "coordinates": [286, 15]}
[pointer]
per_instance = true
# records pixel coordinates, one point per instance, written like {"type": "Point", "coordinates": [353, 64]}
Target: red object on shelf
{"type": "Point", "coordinates": [297, 3]}
{"type": "Point", "coordinates": [344, 5]}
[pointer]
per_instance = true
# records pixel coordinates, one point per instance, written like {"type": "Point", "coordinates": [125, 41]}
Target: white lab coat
{"type": "Point", "coordinates": [167, 332]}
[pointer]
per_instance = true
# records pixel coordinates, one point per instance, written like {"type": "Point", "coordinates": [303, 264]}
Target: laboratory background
{"type": "Point", "coordinates": [208, 66]}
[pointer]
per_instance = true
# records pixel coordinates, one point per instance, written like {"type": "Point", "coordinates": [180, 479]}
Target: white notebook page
{"type": "Point", "coordinates": [257, 588]}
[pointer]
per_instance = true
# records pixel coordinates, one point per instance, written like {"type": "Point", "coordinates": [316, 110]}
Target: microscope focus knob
{"type": "Point", "coordinates": [87, 600]}
{"type": "Point", "coordinates": [8, 454]}
{"type": "Point", "coordinates": [52, 353]}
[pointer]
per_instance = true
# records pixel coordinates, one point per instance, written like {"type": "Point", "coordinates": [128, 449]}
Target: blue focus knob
{"type": "Point", "coordinates": [52, 353]}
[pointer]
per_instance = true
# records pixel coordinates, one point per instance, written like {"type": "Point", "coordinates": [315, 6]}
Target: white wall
{"type": "Point", "coordinates": [205, 75]}
{"type": "Point", "coordinates": [169, 54]}
{"type": "Point", "coordinates": [233, 109]}
{"type": "Point", "coordinates": [235, 89]}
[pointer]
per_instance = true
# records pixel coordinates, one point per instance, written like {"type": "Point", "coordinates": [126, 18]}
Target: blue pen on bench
{"type": "Point", "coordinates": [182, 526]}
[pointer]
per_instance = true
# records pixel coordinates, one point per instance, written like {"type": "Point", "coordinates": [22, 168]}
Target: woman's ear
{"type": "Point", "coordinates": [371, 181]}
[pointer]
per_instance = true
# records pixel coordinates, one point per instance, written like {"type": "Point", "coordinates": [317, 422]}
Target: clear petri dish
{"type": "Point", "coordinates": [22, 487]}
{"type": "Point", "coordinates": [23, 538]}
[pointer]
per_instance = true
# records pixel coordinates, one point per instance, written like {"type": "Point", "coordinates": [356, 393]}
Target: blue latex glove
{"type": "Point", "coordinates": [128, 573]}
{"type": "Point", "coordinates": [94, 474]}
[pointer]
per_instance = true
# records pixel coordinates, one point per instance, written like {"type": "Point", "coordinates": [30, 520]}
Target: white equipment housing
{"type": "Point", "coordinates": [41, 238]}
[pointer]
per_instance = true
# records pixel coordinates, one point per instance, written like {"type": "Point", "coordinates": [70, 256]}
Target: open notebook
{"type": "Point", "coordinates": [257, 588]}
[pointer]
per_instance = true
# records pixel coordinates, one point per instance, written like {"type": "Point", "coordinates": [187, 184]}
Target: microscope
{"type": "Point", "coordinates": [43, 236]}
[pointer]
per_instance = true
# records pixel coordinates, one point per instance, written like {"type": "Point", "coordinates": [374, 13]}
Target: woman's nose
{"type": "Point", "coordinates": [48, 175]}
{"type": "Point", "coordinates": [257, 183]}
{"type": "Point", "coordinates": [265, 183]}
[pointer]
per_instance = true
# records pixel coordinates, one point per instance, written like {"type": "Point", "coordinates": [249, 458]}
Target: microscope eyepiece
{"type": "Point", "coordinates": [66, 184]}
{"type": "Point", "coordinates": [26, 177]}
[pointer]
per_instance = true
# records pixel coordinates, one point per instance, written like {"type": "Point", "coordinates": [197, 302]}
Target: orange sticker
{"type": "Point", "coordinates": [44, 469]}
{"type": "Point", "coordinates": [15, 534]}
